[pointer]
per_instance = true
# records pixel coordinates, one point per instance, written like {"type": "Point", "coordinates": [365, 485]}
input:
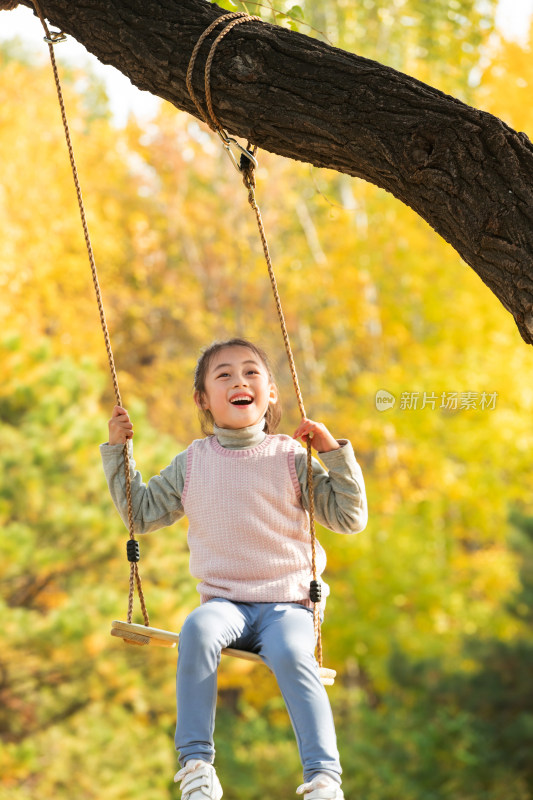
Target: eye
{"type": "Point", "coordinates": [223, 375]}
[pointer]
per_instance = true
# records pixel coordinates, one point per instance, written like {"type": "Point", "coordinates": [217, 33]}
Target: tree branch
{"type": "Point", "coordinates": [464, 171]}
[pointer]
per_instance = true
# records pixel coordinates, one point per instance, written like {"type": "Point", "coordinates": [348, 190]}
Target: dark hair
{"type": "Point", "coordinates": [273, 413]}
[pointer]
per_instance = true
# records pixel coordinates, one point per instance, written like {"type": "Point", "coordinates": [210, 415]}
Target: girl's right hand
{"type": "Point", "coordinates": [120, 427]}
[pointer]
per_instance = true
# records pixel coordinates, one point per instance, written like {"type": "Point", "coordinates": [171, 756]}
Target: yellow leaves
{"type": "Point", "coordinates": [238, 675]}
{"type": "Point", "coordinates": [96, 643]}
{"type": "Point", "coordinates": [490, 573]}
{"type": "Point", "coordinates": [505, 87]}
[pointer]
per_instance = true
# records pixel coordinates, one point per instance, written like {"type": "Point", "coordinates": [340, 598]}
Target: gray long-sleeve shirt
{"type": "Point", "coordinates": [339, 490]}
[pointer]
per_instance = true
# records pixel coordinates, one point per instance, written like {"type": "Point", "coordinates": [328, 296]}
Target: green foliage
{"type": "Point", "coordinates": [63, 579]}
{"type": "Point", "coordinates": [489, 703]}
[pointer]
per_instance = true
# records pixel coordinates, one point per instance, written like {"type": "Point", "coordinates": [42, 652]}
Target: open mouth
{"type": "Point", "coordinates": [242, 400]}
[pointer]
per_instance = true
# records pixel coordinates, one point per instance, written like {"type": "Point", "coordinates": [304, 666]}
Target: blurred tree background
{"type": "Point", "coordinates": [429, 623]}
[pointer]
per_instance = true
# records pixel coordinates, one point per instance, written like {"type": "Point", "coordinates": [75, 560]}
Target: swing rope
{"type": "Point", "coordinates": [247, 168]}
{"type": "Point", "coordinates": [52, 38]}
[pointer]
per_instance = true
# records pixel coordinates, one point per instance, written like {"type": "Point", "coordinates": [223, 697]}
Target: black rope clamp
{"type": "Point", "coordinates": [133, 550]}
{"type": "Point", "coordinates": [315, 591]}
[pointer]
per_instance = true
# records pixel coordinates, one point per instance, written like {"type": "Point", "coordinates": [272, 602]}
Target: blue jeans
{"type": "Point", "coordinates": [283, 635]}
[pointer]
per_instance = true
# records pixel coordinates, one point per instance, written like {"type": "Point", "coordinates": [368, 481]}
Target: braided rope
{"type": "Point", "coordinates": [134, 571]}
{"type": "Point", "coordinates": [248, 171]}
{"type": "Point", "coordinates": [249, 182]}
{"type": "Point", "coordinates": [192, 61]}
{"type": "Point", "coordinates": [8, 5]}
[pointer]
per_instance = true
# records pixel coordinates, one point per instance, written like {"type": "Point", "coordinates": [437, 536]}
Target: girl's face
{"type": "Point", "coordinates": [238, 389]}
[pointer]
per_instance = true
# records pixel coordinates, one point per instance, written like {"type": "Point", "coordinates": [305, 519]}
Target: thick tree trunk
{"type": "Point", "coordinates": [464, 171]}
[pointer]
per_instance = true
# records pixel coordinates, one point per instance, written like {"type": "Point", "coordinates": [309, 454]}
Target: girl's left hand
{"type": "Point", "coordinates": [321, 438]}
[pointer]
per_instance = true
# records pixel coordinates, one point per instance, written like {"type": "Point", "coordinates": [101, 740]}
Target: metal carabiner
{"type": "Point", "coordinates": [55, 37]}
{"type": "Point", "coordinates": [230, 142]}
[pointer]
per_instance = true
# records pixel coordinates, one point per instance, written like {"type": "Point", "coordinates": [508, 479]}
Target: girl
{"type": "Point", "coordinates": [244, 491]}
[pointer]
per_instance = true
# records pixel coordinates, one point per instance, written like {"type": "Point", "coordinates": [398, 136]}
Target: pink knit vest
{"type": "Point", "coordinates": [248, 532]}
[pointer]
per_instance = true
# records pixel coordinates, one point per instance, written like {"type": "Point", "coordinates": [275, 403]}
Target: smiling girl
{"type": "Point", "coordinates": [244, 491]}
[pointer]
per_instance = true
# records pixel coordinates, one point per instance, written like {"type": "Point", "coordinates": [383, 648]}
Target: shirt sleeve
{"type": "Point", "coordinates": [340, 496]}
{"type": "Point", "coordinates": [157, 503]}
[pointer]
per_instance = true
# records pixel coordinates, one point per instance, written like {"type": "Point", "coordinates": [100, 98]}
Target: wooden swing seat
{"type": "Point", "coordinates": [133, 633]}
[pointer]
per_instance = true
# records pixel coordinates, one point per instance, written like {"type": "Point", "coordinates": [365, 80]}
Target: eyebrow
{"type": "Point", "coordinates": [248, 361]}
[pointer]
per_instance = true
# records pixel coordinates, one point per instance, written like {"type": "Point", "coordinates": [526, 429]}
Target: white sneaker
{"type": "Point", "coordinates": [199, 781]}
{"type": "Point", "coordinates": [322, 787]}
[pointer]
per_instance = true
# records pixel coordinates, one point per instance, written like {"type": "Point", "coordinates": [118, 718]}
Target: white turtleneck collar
{"type": "Point", "coordinates": [241, 438]}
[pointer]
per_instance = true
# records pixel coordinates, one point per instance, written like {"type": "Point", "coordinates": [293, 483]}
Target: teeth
{"type": "Point", "coordinates": [241, 401]}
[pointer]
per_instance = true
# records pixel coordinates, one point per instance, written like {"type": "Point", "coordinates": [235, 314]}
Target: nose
{"type": "Point", "coordinates": [241, 381]}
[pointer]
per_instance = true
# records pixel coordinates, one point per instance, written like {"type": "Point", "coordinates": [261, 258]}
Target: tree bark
{"type": "Point", "coordinates": [467, 173]}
